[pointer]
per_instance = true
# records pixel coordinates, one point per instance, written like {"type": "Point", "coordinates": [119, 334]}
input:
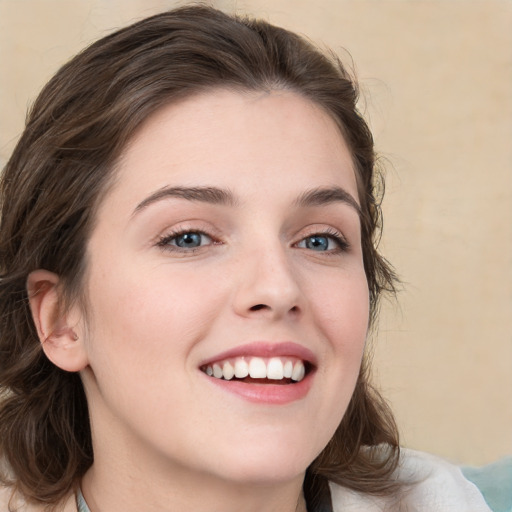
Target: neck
{"type": "Point", "coordinates": [120, 492]}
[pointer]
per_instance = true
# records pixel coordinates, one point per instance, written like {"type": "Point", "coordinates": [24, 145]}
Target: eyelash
{"type": "Point", "coordinates": [337, 236]}
{"type": "Point", "coordinates": [164, 242]}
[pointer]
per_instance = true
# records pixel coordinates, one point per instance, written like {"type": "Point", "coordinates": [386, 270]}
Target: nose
{"type": "Point", "coordinates": [268, 286]}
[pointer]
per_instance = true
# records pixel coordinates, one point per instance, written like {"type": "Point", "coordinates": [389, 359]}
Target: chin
{"type": "Point", "coordinates": [268, 472]}
{"type": "Point", "coordinates": [268, 463]}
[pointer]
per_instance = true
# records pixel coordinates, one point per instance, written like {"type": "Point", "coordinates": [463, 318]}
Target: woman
{"type": "Point", "coordinates": [189, 271]}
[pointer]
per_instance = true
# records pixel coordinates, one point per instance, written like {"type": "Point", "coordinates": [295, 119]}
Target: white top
{"type": "Point", "coordinates": [439, 487]}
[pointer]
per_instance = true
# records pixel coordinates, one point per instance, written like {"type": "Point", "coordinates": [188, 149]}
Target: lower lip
{"type": "Point", "coordinates": [266, 393]}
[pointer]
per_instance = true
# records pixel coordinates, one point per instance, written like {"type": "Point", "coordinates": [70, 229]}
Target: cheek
{"type": "Point", "coordinates": [142, 345]}
{"type": "Point", "coordinates": [343, 312]}
{"type": "Point", "coordinates": [340, 309]}
{"type": "Point", "coordinates": [148, 317]}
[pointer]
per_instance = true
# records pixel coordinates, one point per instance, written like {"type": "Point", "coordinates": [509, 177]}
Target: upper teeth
{"type": "Point", "coordinates": [276, 368]}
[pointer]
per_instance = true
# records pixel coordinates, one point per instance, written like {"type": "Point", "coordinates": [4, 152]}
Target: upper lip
{"type": "Point", "coordinates": [265, 349]}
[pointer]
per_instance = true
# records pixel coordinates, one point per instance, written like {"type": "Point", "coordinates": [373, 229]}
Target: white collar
{"type": "Point", "coordinates": [439, 486]}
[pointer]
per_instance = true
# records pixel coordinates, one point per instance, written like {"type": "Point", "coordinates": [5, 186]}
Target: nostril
{"type": "Point", "coordinates": [257, 307]}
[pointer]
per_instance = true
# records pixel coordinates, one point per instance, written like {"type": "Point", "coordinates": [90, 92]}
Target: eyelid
{"type": "Point", "coordinates": [162, 240]}
{"type": "Point", "coordinates": [171, 236]}
{"type": "Point", "coordinates": [329, 232]}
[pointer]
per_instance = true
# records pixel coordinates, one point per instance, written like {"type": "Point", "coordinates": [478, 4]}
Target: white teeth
{"type": "Point", "coordinates": [228, 371]}
{"type": "Point", "coordinates": [287, 369]}
{"type": "Point", "coordinates": [241, 368]}
{"type": "Point", "coordinates": [217, 371]}
{"type": "Point", "coordinates": [275, 369]}
{"type": "Point", "coordinates": [257, 368]}
{"type": "Point", "coordinates": [298, 371]}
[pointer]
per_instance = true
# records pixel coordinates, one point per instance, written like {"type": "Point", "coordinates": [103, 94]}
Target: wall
{"type": "Point", "coordinates": [437, 83]}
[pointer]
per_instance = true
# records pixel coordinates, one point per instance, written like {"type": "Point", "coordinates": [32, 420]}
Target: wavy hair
{"type": "Point", "coordinates": [61, 168]}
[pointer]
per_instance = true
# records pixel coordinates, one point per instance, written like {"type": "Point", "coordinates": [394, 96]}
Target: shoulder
{"type": "Point", "coordinates": [433, 485]}
{"type": "Point", "coordinates": [17, 504]}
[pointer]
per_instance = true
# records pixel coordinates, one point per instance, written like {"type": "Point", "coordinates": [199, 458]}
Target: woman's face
{"type": "Point", "coordinates": [230, 243]}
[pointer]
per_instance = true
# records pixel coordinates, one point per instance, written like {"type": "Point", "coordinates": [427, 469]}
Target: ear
{"type": "Point", "coordinates": [57, 331]}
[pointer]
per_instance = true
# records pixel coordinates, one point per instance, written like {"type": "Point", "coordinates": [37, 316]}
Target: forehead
{"type": "Point", "coordinates": [237, 140]}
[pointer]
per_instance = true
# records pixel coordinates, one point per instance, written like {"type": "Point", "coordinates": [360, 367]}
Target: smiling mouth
{"type": "Point", "coordinates": [259, 370]}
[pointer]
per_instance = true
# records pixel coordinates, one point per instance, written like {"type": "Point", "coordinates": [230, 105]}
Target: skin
{"type": "Point", "coordinates": [165, 437]}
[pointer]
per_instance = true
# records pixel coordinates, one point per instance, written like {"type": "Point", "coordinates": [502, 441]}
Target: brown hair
{"type": "Point", "coordinates": [55, 179]}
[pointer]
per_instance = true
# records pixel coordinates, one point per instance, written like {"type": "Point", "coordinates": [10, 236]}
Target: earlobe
{"type": "Point", "coordinates": [58, 335]}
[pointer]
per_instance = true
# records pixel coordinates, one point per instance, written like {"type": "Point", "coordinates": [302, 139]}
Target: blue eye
{"type": "Point", "coordinates": [317, 243]}
{"type": "Point", "coordinates": [188, 240]}
{"type": "Point", "coordinates": [185, 240]}
{"type": "Point", "coordinates": [323, 242]}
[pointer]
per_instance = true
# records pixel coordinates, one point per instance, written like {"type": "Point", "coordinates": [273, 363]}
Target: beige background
{"type": "Point", "coordinates": [437, 77]}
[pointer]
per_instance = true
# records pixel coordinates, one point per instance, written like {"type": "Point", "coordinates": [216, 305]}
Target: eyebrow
{"type": "Point", "coordinates": [212, 195]}
{"type": "Point", "coordinates": [215, 195]}
{"type": "Point", "coordinates": [322, 196]}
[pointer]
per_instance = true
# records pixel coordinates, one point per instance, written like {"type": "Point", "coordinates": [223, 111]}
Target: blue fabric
{"type": "Point", "coordinates": [80, 502]}
{"type": "Point", "coordinates": [494, 482]}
